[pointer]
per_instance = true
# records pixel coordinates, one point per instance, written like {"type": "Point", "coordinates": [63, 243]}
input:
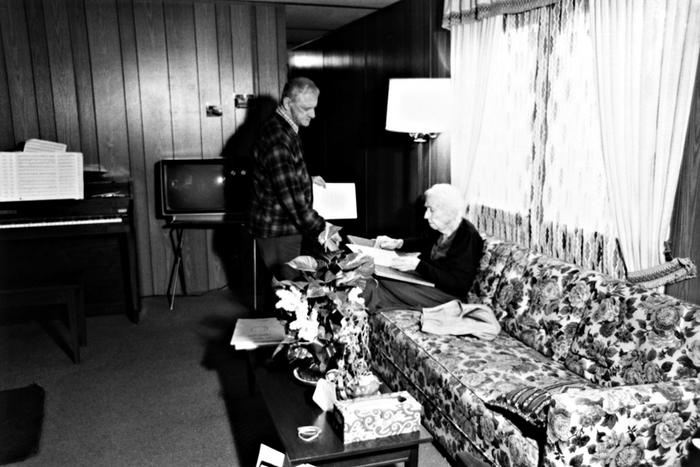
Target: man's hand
{"type": "Point", "coordinates": [330, 237]}
{"type": "Point", "coordinates": [318, 180]}
{"type": "Point", "coordinates": [405, 263]}
{"type": "Point", "coordinates": [387, 243]}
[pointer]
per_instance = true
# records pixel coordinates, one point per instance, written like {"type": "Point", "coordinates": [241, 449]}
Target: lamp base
{"type": "Point", "coordinates": [422, 137]}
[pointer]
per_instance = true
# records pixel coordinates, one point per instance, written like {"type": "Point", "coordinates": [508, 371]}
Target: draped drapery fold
{"type": "Point", "coordinates": [463, 11]}
{"type": "Point", "coordinates": [471, 58]}
{"type": "Point", "coordinates": [497, 146]}
{"type": "Point", "coordinates": [646, 54]}
{"type": "Point", "coordinates": [571, 123]}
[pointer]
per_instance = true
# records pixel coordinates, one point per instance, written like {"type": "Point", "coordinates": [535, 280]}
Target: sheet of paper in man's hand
{"type": "Point", "coordinates": [335, 201]}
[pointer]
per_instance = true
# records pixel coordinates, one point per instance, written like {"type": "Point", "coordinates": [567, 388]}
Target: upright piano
{"type": "Point", "coordinates": [94, 236]}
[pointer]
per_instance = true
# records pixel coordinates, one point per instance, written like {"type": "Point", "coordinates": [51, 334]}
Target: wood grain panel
{"type": "Point", "coordinates": [157, 127]}
{"type": "Point", "coordinates": [83, 80]}
{"type": "Point", "coordinates": [343, 151]}
{"type": "Point", "coordinates": [13, 27]}
{"type": "Point", "coordinates": [439, 68]}
{"type": "Point", "coordinates": [226, 85]}
{"type": "Point", "coordinates": [182, 75]}
{"type": "Point", "coordinates": [139, 167]}
{"type": "Point", "coordinates": [209, 93]}
{"type": "Point", "coordinates": [282, 57]}
{"type": "Point", "coordinates": [208, 72]}
{"type": "Point", "coordinates": [266, 42]}
{"type": "Point", "coordinates": [108, 84]}
{"type": "Point", "coordinates": [685, 224]}
{"type": "Point", "coordinates": [242, 43]}
{"type": "Point", "coordinates": [65, 100]}
{"type": "Point", "coordinates": [7, 136]}
{"type": "Point", "coordinates": [186, 120]}
{"type": "Point", "coordinates": [40, 67]}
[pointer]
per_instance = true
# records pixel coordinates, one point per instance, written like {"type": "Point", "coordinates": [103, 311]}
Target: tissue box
{"type": "Point", "coordinates": [373, 417]}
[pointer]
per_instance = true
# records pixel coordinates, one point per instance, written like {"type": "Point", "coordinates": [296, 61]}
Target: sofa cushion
{"type": "Point", "coordinates": [632, 335]}
{"type": "Point", "coordinates": [558, 295]}
{"type": "Point", "coordinates": [489, 274]}
{"type": "Point", "coordinates": [512, 294]}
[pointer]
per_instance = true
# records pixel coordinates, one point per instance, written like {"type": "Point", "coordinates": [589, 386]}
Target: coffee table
{"type": "Point", "coordinates": [290, 405]}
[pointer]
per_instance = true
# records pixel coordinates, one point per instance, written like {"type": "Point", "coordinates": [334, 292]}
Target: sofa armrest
{"type": "Point", "coordinates": [649, 424]}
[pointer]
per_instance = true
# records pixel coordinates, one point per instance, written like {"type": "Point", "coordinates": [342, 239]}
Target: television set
{"type": "Point", "coordinates": [201, 190]}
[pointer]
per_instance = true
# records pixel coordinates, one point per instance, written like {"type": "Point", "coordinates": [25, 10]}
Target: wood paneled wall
{"type": "Point", "coordinates": [126, 83]}
{"type": "Point", "coordinates": [685, 226]}
{"type": "Point", "coordinates": [347, 141]}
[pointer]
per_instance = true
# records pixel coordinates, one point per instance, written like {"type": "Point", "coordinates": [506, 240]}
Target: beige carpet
{"type": "Point", "coordinates": [168, 391]}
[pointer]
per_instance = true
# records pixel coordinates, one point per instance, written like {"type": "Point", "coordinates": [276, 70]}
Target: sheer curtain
{"type": "Point", "coordinates": [471, 53]}
{"type": "Point", "coordinates": [499, 175]}
{"type": "Point", "coordinates": [584, 108]}
{"type": "Point", "coordinates": [645, 57]}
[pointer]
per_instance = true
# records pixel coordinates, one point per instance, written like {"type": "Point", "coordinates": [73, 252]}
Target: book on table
{"type": "Point", "coordinates": [382, 261]}
{"type": "Point", "coordinates": [251, 333]}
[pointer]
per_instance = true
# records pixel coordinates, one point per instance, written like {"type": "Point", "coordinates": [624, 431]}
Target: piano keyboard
{"type": "Point", "coordinates": [102, 220]}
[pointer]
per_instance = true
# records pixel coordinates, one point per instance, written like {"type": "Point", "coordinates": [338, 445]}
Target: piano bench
{"type": "Point", "coordinates": [66, 291]}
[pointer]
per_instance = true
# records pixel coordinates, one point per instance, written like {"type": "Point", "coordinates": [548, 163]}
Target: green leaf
{"type": "Point", "coordinates": [349, 278]}
{"type": "Point", "coordinates": [304, 263]}
{"type": "Point", "coordinates": [329, 276]}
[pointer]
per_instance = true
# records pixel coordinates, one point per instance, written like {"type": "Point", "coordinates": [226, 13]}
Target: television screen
{"type": "Point", "coordinates": [201, 189]}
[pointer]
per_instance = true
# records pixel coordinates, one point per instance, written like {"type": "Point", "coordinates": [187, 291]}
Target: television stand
{"type": "Point", "coordinates": [177, 229]}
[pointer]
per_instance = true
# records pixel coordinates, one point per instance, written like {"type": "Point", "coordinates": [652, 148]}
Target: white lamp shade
{"type": "Point", "coordinates": [418, 105]}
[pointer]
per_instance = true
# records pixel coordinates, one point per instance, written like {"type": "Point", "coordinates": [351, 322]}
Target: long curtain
{"type": "Point", "coordinates": [576, 220]}
{"type": "Point", "coordinates": [502, 149]}
{"type": "Point", "coordinates": [550, 151]}
{"type": "Point", "coordinates": [646, 54]}
{"type": "Point", "coordinates": [471, 57]}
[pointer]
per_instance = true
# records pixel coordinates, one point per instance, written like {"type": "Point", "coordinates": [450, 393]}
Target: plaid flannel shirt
{"type": "Point", "coordinates": [282, 197]}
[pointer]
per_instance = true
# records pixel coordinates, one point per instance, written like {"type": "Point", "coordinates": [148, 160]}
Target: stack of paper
{"type": "Point", "coordinates": [382, 264]}
{"type": "Point", "coordinates": [258, 332]}
{"type": "Point", "coordinates": [381, 257]}
{"type": "Point", "coordinates": [335, 201]}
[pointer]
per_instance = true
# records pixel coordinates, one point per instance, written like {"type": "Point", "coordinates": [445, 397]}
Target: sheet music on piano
{"type": "Point", "coordinates": [28, 176]}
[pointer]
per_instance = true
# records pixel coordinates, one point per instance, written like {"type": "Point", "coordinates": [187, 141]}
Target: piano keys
{"type": "Point", "coordinates": [61, 223]}
{"type": "Point", "coordinates": [93, 235]}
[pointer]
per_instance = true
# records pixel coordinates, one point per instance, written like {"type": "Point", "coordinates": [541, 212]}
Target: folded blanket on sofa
{"type": "Point", "coordinates": [458, 319]}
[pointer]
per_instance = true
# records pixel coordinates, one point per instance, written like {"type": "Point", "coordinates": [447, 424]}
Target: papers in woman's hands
{"type": "Point", "coordinates": [403, 276]}
{"type": "Point", "coordinates": [381, 257]}
{"type": "Point", "coordinates": [382, 264]}
{"type": "Point", "coordinates": [257, 332]}
{"type": "Point", "coordinates": [360, 240]}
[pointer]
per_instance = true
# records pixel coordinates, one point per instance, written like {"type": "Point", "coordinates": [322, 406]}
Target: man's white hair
{"type": "Point", "coordinates": [447, 197]}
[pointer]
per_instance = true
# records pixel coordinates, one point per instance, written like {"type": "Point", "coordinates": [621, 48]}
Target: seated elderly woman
{"type": "Point", "coordinates": [448, 257]}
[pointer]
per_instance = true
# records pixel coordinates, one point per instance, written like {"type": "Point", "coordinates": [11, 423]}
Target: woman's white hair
{"type": "Point", "coordinates": [447, 197]}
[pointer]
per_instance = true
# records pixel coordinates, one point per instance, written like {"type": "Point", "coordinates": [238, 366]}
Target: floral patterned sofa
{"type": "Point", "coordinates": [587, 370]}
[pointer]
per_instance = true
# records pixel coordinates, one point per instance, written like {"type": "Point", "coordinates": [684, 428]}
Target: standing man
{"type": "Point", "coordinates": [281, 206]}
